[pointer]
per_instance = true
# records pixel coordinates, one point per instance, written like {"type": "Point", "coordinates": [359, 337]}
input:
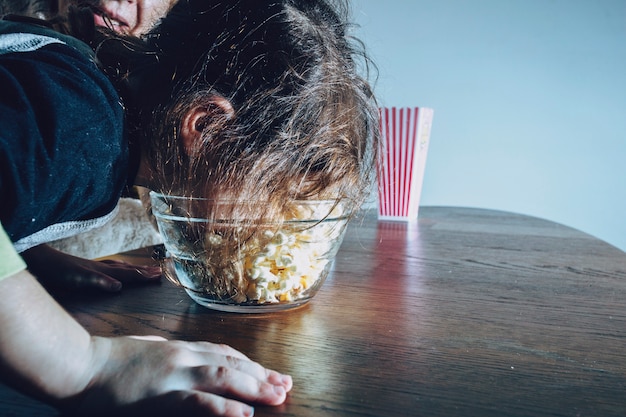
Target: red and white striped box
{"type": "Point", "coordinates": [401, 162]}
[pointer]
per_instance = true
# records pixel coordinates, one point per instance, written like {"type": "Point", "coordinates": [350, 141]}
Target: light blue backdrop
{"type": "Point", "coordinates": [529, 99]}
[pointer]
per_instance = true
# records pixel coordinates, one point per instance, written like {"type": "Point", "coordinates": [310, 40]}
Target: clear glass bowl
{"type": "Point", "coordinates": [230, 264]}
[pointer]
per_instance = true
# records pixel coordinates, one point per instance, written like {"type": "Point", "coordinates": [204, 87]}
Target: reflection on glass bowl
{"type": "Point", "coordinates": [228, 263]}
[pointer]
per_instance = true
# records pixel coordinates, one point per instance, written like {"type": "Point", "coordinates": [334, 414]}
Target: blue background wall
{"type": "Point", "coordinates": [529, 99]}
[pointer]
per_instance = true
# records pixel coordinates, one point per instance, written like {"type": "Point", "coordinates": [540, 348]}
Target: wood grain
{"type": "Point", "coordinates": [466, 312]}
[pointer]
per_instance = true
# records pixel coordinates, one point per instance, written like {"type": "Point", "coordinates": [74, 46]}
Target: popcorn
{"type": "Point", "coordinates": [225, 262]}
{"type": "Point", "coordinates": [280, 266]}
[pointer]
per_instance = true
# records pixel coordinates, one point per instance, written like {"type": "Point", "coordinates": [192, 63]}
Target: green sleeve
{"type": "Point", "coordinates": [10, 261]}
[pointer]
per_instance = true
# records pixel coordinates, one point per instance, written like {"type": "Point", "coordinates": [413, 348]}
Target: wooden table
{"type": "Point", "coordinates": [467, 312]}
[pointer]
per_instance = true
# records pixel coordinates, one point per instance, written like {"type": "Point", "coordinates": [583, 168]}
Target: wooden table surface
{"type": "Point", "coordinates": [467, 312]}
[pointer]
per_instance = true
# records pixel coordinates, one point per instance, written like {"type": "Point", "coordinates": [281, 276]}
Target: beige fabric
{"type": "Point", "coordinates": [130, 229]}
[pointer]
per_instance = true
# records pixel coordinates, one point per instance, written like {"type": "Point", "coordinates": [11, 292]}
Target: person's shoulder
{"type": "Point", "coordinates": [23, 33]}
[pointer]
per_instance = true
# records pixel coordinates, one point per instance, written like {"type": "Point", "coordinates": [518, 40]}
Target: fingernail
{"type": "Point", "coordinates": [286, 380]}
{"type": "Point", "coordinates": [115, 286]}
{"type": "Point", "coordinates": [248, 411]}
{"type": "Point", "coordinates": [279, 390]}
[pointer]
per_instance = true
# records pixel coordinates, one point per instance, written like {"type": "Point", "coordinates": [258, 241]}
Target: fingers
{"type": "Point", "coordinates": [198, 402]}
{"type": "Point", "coordinates": [189, 404]}
{"type": "Point", "coordinates": [91, 280]}
{"type": "Point", "coordinates": [220, 355]}
{"type": "Point", "coordinates": [236, 376]}
{"type": "Point", "coordinates": [224, 355]}
{"type": "Point", "coordinates": [242, 384]}
{"type": "Point", "coordinates": [223, 370]}
{"type": "Point", "coordinates": [128, 273]}
{"type": "Point", "coordinates": [111, 275]}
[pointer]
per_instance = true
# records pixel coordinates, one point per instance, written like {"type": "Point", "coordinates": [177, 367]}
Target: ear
{"type": "Point", "coordinates": [202, 114]}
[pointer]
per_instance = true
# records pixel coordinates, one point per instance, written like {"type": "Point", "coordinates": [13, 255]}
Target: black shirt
{"type": "Point", "coordinates": [63, 153]}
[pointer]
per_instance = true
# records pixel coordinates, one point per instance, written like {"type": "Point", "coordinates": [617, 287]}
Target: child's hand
{"type": "Point", "coordinates": [45, 353]}
{"type": "Point", "coordinates": [61, 270]}
{"type": "Point", "coordinates": [151, 376]}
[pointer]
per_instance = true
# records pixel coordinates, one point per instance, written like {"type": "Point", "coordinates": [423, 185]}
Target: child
{"type": "Point", "coordinates": [252, 99]}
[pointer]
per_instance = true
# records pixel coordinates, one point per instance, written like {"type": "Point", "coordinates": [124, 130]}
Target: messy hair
{"type": "Point", "coordinates": [34, 8]}
{"type": "Point", "coordinates": [304, 124]}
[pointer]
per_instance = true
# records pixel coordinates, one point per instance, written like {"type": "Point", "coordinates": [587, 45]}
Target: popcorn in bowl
{"type": "Point", "coordinates": [225, 264]}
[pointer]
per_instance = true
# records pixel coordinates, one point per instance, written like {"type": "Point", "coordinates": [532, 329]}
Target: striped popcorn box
{"type": "Point", "coordinates": [401, 163]}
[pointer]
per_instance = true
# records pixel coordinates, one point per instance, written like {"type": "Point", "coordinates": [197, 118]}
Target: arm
{"type": "Point", "coordinates": [54, 268]}
{"type": "Point", "coordinates": [42, 349]}
{"type": "Point", "coordinates": [45, 353]}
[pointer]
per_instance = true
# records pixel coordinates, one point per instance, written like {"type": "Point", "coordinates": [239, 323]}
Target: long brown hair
{"type": "Point", "coordinates": [305, 122]}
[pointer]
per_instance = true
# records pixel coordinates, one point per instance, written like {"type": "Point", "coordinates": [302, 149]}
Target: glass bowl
{"type": "Point", "coordinates": [227, 263]}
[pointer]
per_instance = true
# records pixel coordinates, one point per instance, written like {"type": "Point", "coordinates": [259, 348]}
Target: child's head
{"type": "Point", "coordinates": [253, 100]}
